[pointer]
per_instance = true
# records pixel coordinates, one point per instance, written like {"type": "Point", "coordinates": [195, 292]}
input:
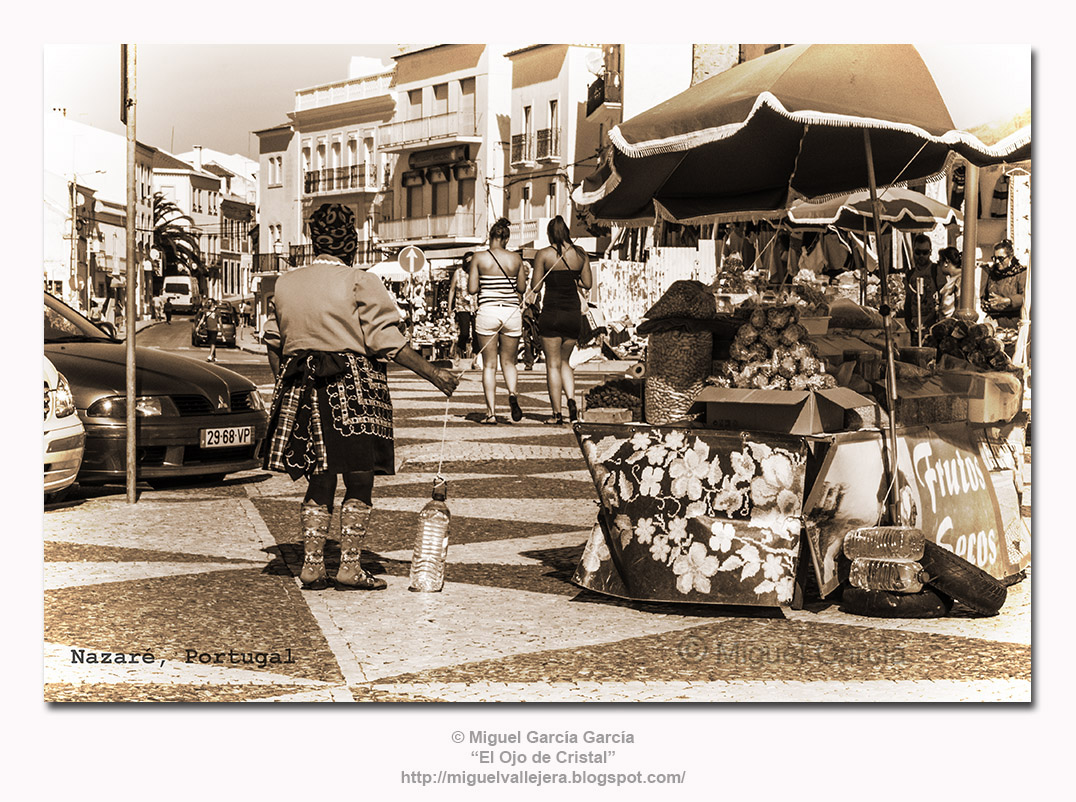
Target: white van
{"type": "Point", "coordinates": [182, 291]}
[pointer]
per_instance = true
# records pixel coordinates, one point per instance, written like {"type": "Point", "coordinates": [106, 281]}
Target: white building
{"type": "Point", "coordinates": [85, 181]}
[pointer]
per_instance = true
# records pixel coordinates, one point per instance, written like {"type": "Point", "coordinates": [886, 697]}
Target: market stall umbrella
{"type": "Point", "coordinates": [747, 142]}
{"type": "Point", "coordinates": [389, 271]}
{"type": "Point", "coordinates": [805, 121]}
{"type": "Point", "coordinates": [899, 208]}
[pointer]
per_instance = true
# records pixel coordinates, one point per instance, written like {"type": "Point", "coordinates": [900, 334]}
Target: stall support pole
{"type": "Point", "coordinates": [893, 495]}
{"type": "Point", "coordinates": [966, 310]}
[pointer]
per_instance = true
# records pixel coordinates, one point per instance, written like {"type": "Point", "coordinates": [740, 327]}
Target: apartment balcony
{"type": "Point", "coordinates": [269, 263]}
{"type": "Point", "coordinates": [343, 92]}
{"type": "Point", "coordinates": [522, 150]}
{"type": "Point", "coordinates": [547, 144]}
{"type": "Point", "coordinates": [449, 226]}
{"type": "Point", "coordinates": [357, 178]}
{"type": "Point", "coordinates": [301, 254]}
{"type": "Point", "coordinates": [523, 232]}
{"type": "Point", "coordinates": [456, 127]}
{"type": "Point", "coordinates": [231, 244]}
{"type": "Point", "coordinates": [604, 91]}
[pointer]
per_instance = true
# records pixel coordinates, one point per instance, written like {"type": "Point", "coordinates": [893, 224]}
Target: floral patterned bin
{"type": "Point", "coordinates": [693, 515]}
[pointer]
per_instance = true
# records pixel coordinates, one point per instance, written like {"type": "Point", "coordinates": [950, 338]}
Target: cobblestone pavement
{"type": "Point", "coordinates": [200, 583]}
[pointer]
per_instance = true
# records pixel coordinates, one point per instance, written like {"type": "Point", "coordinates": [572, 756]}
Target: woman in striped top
{"type": "Point", "coordinates": [497, 276]}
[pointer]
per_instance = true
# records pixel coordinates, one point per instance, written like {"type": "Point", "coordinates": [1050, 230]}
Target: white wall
{"type": "Point", "coordinates": [653, 73]}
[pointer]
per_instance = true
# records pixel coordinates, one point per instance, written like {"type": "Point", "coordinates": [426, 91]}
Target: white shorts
{"type": "Point", "coordinates": [493, 318]}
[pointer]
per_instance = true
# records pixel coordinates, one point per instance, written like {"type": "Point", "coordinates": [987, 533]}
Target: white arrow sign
{"type": "Point", "coordinates": [412, 259]}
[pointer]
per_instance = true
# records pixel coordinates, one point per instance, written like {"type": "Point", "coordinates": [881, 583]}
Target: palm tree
{"type": "Point", "coordinates": [177, 244]}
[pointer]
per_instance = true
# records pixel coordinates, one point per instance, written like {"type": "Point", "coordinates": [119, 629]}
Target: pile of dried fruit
{"type": "Point", "coordinates": [770, 352]}
{"type": "Point", "coordinates": [974, 343]}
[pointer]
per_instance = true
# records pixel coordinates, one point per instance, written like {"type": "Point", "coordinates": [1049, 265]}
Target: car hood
{"type": "Point", "coordinates": [99, 369]}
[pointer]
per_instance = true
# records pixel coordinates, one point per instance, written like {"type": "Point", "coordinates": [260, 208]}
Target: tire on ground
{"type": "Point", "coordinates": [927, 603]}
{"type": "Point", "coordinates": [968, 584]}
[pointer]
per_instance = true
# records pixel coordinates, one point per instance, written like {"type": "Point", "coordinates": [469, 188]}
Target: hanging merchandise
{"type": "Point", "coordinates": [999, 206]}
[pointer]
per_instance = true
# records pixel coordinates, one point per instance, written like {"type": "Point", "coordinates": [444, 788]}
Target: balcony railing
{"type": "Point", "coordinates": [521, 233]}
{"type": "Point", "coordinates": [606, 89]}
{"type": "Point", "coordinates": [547, 144]}
{"type": "Point", "coordinates": [522, 149]}
{"type": "Point", "coordinates": [301, 254]}
{"type": "Point", "coordinates": [269, 263]}
{"type": "Point", "coordinates": [343, 92]}
{"type": "Point", "coordinates": [234, 244]}
{"type": "Point", "coordinates": [424, 129]}
{"type": "Point", "coordinates": [461, 224]}
{"type": "Point", "coordinates": [341, 179]}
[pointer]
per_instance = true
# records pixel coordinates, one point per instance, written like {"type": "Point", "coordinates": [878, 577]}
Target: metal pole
{"type": "Point", "coordinates": [130, 70]}
{"type": "Point", "coordinates": [887, 329]}
{"type": "Point", "coordinates": [74, 241]}
{"type": "Point", "coordinates": [966, 310]}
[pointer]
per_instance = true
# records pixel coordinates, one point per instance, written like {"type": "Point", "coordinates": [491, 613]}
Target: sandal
{"type": "Point", "coordinates": [366, 581]}
{"type": "Point", "coordinates": [489, 420]}
{"type": "Point", "coordinates": [513, 403]}
{"type": "Point", "coordinates": [555, 420]}
{"type": "Point", "coordinates": [573, 413]}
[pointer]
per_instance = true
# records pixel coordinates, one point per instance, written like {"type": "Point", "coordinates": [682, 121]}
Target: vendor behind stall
{"type": "Point", "coordinates": [1003, 290]}
{"type": "Point", "coordinates": [921, 305]}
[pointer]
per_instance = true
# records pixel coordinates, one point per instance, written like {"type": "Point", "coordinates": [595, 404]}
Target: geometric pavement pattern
{"type": "Point", "coordinates": [200, 582]}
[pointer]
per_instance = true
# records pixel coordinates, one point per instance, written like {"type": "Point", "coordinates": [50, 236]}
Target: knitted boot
{"type": "Point", "coordinates": [354, 515]}
{"type": "Point", "coordinates": [314, 520]}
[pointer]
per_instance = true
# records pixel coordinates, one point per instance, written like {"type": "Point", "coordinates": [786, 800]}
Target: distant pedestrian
{"type": "Point", "coordinates": [462, 304]}
{"type": "Point", "coordinates": [212, 328]}
{"type": "Point", "coordinates": [168, 311]}
{"type": "Point", "coordinates": [271, 338]}
{"type": "Point", "coordinates": [245, 311]}
{"type": "Point", "coordinates": [497, 277]}
{"type": "Point", "coordinates": [564, 268]}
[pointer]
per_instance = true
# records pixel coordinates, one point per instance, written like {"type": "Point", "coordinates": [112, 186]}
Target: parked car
{"type": "Point", "coordinates": [227, 325]}
{"type": "Point", "coordinates": [65, 437]}
{"type": "Point", "coordinates": [183, 292]}
{"type": "Point", "coordinates": [193, 418]}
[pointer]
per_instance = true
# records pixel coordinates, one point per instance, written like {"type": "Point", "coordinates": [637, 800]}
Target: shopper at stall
{"type": "Point", "coordinates": [949, 271]}
{"type": "Point", "coordinates": [1003, 289]}
{"type": "Point", "coordinates": [921, 287]}
{"type": "Point", "coordinates": [564, 269]}
{"type": "Point", "coordinates": [462, 305]}
{"type": "Point", "coordinates": [331, 412]}
{"type": "Point", "coordinates": [497, 277]}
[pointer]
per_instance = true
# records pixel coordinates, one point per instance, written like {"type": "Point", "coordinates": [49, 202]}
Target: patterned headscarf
{"type": "Point", "coordinates": [332, 230]}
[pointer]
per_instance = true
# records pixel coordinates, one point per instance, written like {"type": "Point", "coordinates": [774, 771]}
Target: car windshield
{"type": "Point", "coordinates": [62, 323]}
{"type": "Point", "coordinates": [179, 287]}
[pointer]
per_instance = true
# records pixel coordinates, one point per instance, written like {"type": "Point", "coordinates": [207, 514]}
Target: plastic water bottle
{"type": "Point", "coordinates": [431, 543]}
{"type": "Point", "coordinates": [897, 576]}
{"type": "Point", "coordinates": [885, 542]}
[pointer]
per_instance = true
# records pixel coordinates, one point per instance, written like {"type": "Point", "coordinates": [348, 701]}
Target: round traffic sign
{"type": "Point", "coordinates": [411, 259]}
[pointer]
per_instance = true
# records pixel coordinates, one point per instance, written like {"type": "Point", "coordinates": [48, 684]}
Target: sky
{"type": "Point", "coordinates": [212, 95]}
{"type": "Point", "coordinates": [216, 95]}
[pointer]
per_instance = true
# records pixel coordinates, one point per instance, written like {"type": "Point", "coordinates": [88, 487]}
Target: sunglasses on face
{"type": "Point", "coordinates": [921, 253]}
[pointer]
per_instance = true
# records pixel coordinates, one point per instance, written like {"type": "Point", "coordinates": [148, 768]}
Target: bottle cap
{"type": "Point", "coordinates": [440, 489]}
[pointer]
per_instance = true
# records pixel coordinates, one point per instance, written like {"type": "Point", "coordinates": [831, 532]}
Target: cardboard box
{"type": "Point", "coordinates": [607, 415]}
{"type": "Point", "coordinates": [785, 411]}
{"type": "Point", "coordinates": [995, 398]}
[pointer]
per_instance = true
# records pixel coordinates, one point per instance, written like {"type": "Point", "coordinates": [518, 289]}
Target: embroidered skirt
{"type": "Point", "coordinates": [331, 413]}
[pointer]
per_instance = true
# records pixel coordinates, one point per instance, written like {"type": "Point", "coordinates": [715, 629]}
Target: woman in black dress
{"type": "Point", "coordinates": [564, 269]}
